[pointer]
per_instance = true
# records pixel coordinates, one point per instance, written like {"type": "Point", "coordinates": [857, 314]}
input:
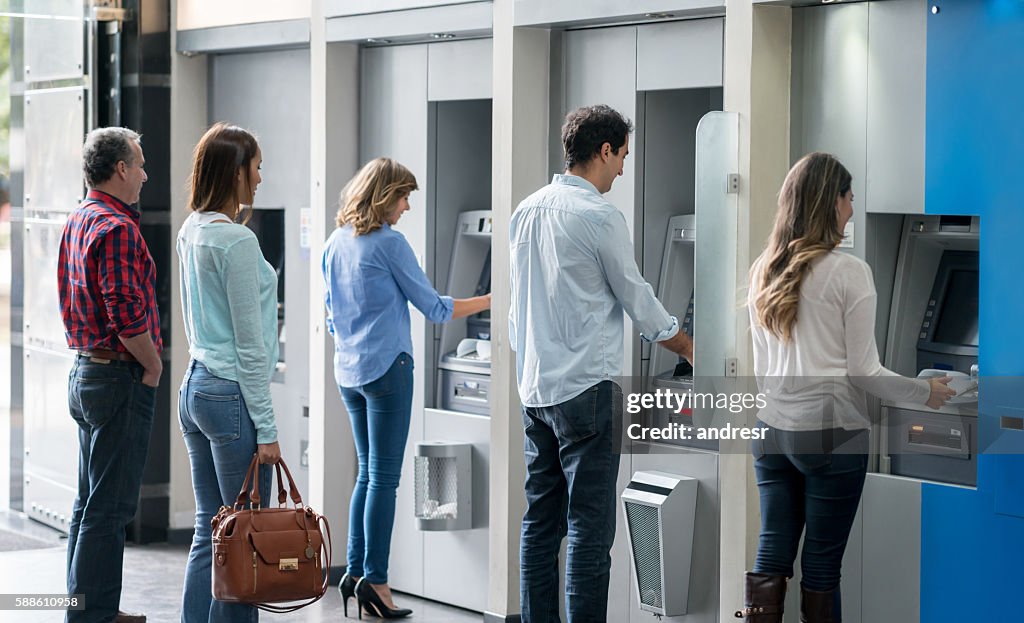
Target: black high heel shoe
{"type": "Point", "coordinates": [347, 588]}
{"type": "Point", "coordinates": [368, 598]}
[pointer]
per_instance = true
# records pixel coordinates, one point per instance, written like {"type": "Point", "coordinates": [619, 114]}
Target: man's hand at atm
{"type": "Point", "coordinates": [680, 344]}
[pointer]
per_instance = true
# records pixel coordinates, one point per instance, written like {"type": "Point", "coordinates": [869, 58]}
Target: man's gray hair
{"type": "Point", "coordinates": [103, 149]}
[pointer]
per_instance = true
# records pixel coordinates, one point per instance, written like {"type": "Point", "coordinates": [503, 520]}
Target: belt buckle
{"type": "Point", "coordinates": [99, 360]}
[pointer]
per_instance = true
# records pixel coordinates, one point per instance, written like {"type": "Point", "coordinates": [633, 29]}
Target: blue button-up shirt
{"type": "Point", "coordinates": [370, 281]}
{"type": "Point", "coordinates": [573, 274]}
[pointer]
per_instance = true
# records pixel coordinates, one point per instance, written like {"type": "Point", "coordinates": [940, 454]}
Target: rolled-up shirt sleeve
{"type": "Point", "coordinates": [120, 282]}
{"type": "Point", "coordinates": [615, 254]}
{"type": "Point", "coordinates": [415, 285]}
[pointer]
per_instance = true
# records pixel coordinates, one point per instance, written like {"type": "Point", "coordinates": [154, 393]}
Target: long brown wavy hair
{"type": "Point", "coordinates": [806, 228]}
{"type": "Point", "coordinates": [220, 154]}
{"type": "Point", "coordinates": [369, 198]}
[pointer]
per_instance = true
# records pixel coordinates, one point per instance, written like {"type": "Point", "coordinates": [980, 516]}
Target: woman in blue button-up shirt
{"type": "Point", "coordinates": [371, 275]}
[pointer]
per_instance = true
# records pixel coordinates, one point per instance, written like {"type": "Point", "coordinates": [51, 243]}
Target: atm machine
{"type": "Point", "coordinates": [427, 103]}
{"type": "Point", "coordinates": [675, 291]}
{"type": "Point", "coordinates": [242, 92]}
{"type": "Point", "coordinates": [667, 371]}
{"type": "Point", "coordinates": [934, 332]}
{"type": "Point", "coordinates": [452, 463]}
{"type": "Point", "coordinates": [672, 241]}
{"type": "Point", "coordinates": [663, 195]}
{"type": "Point", "coordinates": [464, 365]}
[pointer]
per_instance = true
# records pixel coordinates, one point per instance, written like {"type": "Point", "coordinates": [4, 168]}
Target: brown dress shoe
{"type": "Point", "coordinates": [129, 617]}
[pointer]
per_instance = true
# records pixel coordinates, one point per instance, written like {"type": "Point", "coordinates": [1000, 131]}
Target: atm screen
{"type": "Point", "coordinates": [957, 321]}
{"type": "Point", "coordinates": [483, 284]}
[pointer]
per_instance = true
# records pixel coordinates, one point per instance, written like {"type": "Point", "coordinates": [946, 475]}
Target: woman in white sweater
{"type": "Point", "coordinates": [812, 316]}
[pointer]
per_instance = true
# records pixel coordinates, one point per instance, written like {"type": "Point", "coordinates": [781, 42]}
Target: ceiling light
{"type": "Point", "coordinates": [442, 35]}
{"type": "Point", "coordinates": [658, 15]}
{"type": "Point", "coordinates": [378, 41]}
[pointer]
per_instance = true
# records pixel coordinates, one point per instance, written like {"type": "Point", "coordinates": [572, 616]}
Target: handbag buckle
{"type": "Point", "coordinates": [288, 564]}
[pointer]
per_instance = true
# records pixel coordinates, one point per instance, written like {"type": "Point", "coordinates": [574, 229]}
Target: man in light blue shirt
{"type": "Point", "coordinates": [573, 274]}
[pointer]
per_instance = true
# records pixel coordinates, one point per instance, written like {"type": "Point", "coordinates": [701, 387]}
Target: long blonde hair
{"type": "Point", "coordinates": [806, 228]}
{"type": "Point", "coordinates": [370, 197]}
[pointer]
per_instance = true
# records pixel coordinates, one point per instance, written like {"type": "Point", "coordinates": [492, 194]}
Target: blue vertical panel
{"type": "Point", "coordinates": [970, 556]}
{"type": "Point", "coordinates": [973, 541]}
{"type": "Point", "coordinates": [974, 95]}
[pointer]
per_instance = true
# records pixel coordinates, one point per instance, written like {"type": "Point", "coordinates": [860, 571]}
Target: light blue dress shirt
{"type": "Point", "coordinates": [229, 304]}
{"type": "Point", "coordinates": [573, 274]}
{"type": "Point", "coordinates": [370, 281]}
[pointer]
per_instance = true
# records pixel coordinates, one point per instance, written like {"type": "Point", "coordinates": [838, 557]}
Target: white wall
{"type": "Point", "coordinates": [206, 14]}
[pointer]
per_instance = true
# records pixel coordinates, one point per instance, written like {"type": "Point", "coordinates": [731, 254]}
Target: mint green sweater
{"type": "Point", "coordinates": [229, 302]}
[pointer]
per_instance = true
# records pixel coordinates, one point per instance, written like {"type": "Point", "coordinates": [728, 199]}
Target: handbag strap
{"type": "Point", "coordinates": [325, 548]}
{"type": "Point", "coordinates": [243, 495]}
{"type": "Point", "coordinates": [252, 479]}
{"type": "Point", "coordinates": [292, 488]}
{"type": "Point", "coordinates": [282, 497]}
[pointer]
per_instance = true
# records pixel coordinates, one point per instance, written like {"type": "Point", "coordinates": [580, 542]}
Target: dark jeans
{"type": "Point", "coordinates": [114, 413]}
{"type": "Point", "coordinates": [221, 440]}
{"type": "Point", "coordinates": [808, 480]}
{"type": "Point", "coordinates": [571, 468]}
{"type": "Point", "coordinates": [380, 412]}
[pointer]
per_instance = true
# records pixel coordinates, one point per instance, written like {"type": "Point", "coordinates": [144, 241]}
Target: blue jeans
{"type": "Point", "coordinates": [221, 441]}
{"type": "Point", "coordinates": [380, 412]}
{"type": "Point", "coordinates": [571, 468]}
{"type": "Point", "coordinates": [114, 413]}
{"type": "Point", "coordinates": [808, 480]}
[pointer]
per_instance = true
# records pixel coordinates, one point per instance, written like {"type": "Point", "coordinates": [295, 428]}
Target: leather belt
{"type": "Point", "coordinates": [109, 355]}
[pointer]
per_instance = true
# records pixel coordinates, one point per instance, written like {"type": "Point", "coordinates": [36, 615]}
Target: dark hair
{"type": "Point", "coordinates": [222, 151]}
{"type": "Point", "coordinates": [806, 227]}
{"type": "Point", "coordinates": [103, 149]}
{"type": "Point", "coordinates": [587, 128]}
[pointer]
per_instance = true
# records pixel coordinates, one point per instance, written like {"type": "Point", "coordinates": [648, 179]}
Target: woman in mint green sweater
{"type": "Point", "coordinates": [229, 303]}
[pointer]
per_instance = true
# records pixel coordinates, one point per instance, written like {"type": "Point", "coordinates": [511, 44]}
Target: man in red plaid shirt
{"type": "Point", "coordinates": [107, 288]}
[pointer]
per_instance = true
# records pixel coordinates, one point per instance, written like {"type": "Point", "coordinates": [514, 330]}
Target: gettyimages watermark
{"type": "Point", "coordinates": [676, 406]}
{"type": "Point", "coordinates": [665, 414]}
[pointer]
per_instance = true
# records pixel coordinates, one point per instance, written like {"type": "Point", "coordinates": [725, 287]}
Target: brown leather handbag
{"type": "Point", "coordinates": [263, 556]}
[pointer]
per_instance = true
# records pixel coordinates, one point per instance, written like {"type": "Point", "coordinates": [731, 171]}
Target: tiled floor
{"type": "Point", "coordinates": [152, 584]}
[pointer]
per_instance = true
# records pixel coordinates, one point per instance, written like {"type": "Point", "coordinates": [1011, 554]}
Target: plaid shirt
{"type": "Point", "coordinates": [106, 276]}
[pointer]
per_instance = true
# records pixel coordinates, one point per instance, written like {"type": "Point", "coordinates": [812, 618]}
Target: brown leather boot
{"type": "Point", "coordinates": [765, 598]}
{"type": "Point", "coordinates": [820, 606]}
{"type": "Point", "coordinates": [129, 617]}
